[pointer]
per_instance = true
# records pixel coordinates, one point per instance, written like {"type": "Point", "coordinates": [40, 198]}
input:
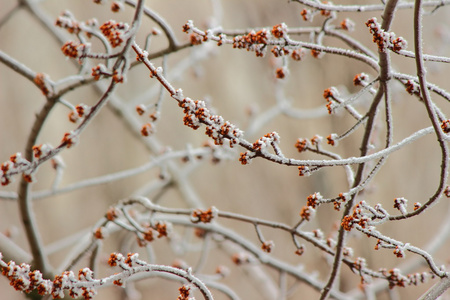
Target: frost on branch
{"type": "Point", "coordinates": [400, 204]}
{"type": "Point", "coordinates": [14, 165]}
{"type": "Point", "coordinates": [23, 279]}
{"type": "Point", "coordinates": [84, 285]}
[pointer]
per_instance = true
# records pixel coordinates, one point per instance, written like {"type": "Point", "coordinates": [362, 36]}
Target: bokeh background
{"type": "Point", "coordinates": [240, 87]}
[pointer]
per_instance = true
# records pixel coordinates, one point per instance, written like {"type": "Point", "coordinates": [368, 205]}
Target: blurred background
{"type": "Point", "coordinates": [242, 88]}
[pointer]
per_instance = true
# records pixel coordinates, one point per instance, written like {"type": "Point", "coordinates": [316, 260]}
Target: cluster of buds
{"type": "Point", "coordinates": [99, 70]}
{"type": "Point", "coordinates": [279, 51]}
{"type": "Point", "coordinates": [117, 6]}
{"type": "Point", "coordinates": [118, 76]}
{"type": "Point", "coordinates": [342, 198]}
{"type": "Point", "coordinates": [395, 278]}
{"type": "Point", "coordinates": [304, 171]}
{"type": "Point", "coordinates": [256, 41]}
{"type": "Point", "coordinates": [43, 82]}
{"type": "Point", "coordinates": [253, 41]}
{"type": "Point", "coordinates": [417, 205]}
{"type": "Point", "coordinates": [307, 212]}
{"type": "Point", "coordinates": [187, 27]}
{"type": "Point", "coordinates": [70, 139]}
{"type": "Point", "coordinates": [241, 258]}
{"type": "Point", "coordinates": [75, 49]}
{"type": "Point", "coordinates": [331, 243]}
{"type": "Point", "coordinates": [41, 150]}
{"type": "Point", "coordinates": [365, 216]}
{"type": "Point", "coordinates": [268, 246]}
{"type": "Point", "coordinates": [204, 216]}
{"type": "Point", "coordinates": [318, 234]}
{"type": "Point", "coordinates": [81, 110]}
{"type": "Point", "coordinates": [23, 279]}
{"type": "Point", "coordinates": [361, 79]}
{"type": "Point", "coordinates": [307, 14]}
{"type": "Point", "coordinates": [314, 200]}
{"type": "Point", "coordinates": [400, 251]}
{"type": "Point", "coordinates": [324, 12]}
{"type": "Point", "coordinates": [218, 129]}
{"type": "Point", "coordinates": [358, 217]}
{"type": "Point", "coordinates": [447, 191]}
{"type": "Point", "coordinates": [148, 235]}
{"type": "Point", "coordinates": [246, 157]}
{"type": "Point", "coordinates": [67, 21]}
{"type": "Point", "coordinates": [148, 128]}
{"type": "Point", "coordinates": [346, 251]}
{"type": "Point", "coordinates": [184, 293]}
{"type": "Point", "coordinates": [316, 140]}
{"type": "Point", "coordinates": [302, 144]}
{"type": "Point", "coordinates": [15, 162]}
{"type": "Point", "coordinates": [316, 53]}
{"type": "Point", "coordinates": [348, 25]}
{"type": "Point", "coordinates": [416, 278]}
{"type": "Point", "coordinates": [296, 54]}
{"type": "Point", "coordinates": [222, 270]}
{"type": "Point", "coordinates": [271, 138]}
{"type": "Point", "coordinates": [196, 112]}
{"type": "Point", "coordinates": [332, 139]}
{"type": "Point", "coordinates": [359, 264]}
{"type": "Point", "coordinates": [300, 250]}
{"type": "Point", "coordinates": [385, 40]}
{"type": "Point", "coordinates": [412, 87]}
{"type": "Point", "coordinates": [141, 109]}
{"type": "Point", "coordinates": [19, 276]}
{"type": "Point", "coordinates": [445, 125]}
{"type": "Point", "coordinates": [281, 73]}
{"type": "Point", "coordinates": [117, 259]}
{"type": "Point", "coordinates": [222, 37]}
{"type": "Point", "coordinates": [379, 244]}
{"type": "Point", "coordinates": [400, 204]}
{"type": "Point", "coordinates": [279, 31]}
{"type": "Point", "coordinates": [330, 94]}
{"type": "Point", "coordinates": [100, 233]}
{"type": "Point", "coordinates": [196, 39]}
{"type": "Point", "coordinates": [163, 229]}
{"type": "Point", "coordinates": [114, 32]}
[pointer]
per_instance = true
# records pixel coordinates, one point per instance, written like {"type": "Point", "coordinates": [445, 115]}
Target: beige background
{"type": "Point", "coordinates": [235, 82]}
